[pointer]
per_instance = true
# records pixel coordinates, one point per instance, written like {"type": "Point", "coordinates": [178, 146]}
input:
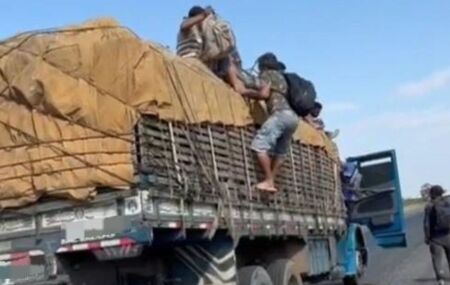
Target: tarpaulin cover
{"type": "Point", "coordinates": [70, 99]}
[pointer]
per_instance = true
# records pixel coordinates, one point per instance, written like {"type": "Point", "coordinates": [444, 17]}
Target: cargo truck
{"type": "Point", "coordinates": [193, 218]}
{"type": "Point", "coordinates": [191, 214]}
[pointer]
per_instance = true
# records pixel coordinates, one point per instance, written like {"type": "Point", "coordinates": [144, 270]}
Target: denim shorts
{"type": "Point", "coordinates": [275, 134]}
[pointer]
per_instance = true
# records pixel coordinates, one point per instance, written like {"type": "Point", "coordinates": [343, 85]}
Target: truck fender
{"type": "Point", "coordinates": [353, 255]}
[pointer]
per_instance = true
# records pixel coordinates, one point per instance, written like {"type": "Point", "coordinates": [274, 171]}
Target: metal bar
{"type": "Point", "coordinates": [213, 154]}
{"type": "Point", "coordinates": [168, 170]}
{"type": "Point", "coordinates": [311, 175]}
{"type": "Point", "coordinates": [247, 177]}
{"type": "Point", "coordinates": [174, 153]}
{"type": "Point", "coordinates": [231, 162]}
{"type": "Point", "coordinates": [247, 174]}
{"type": "Point", "coordinates": [294, 176]}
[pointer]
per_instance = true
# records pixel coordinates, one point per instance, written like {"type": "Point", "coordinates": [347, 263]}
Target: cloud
{"type": "Point", "coordinates": [404, 120]}
{"type": "Point", "coordinates": [425, 86]}
{"type": "Point", "coordinates": [419, 136]}
{"type": "Point", "coordinates": [337, 107]}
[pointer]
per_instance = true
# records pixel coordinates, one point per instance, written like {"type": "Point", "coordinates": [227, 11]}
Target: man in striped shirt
{"type": "Point", "coordinates": [190, 40]}
{"type": "Point", "coordinates": [191, 44]}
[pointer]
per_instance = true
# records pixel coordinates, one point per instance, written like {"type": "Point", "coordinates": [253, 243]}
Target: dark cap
{"type": "Point", "coordinates": [317, 105]}
{"type": "Point", "coordinates": [437, 190]}
{"type": "Point", "coordinates": [270, 61]}
{"type": "Point", "coordinates": [196, 10]}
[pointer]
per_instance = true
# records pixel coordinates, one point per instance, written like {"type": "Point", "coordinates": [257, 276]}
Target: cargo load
{"type": "Point", "coordinates": [71, 99]}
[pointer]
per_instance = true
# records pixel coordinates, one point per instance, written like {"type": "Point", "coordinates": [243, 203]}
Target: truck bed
{"type": "Point", "coordinates": [193, 176]}
{"type": "Point", "coordinates": [193, 183]}
{"type": "Point", "coordinates": [207, 162]}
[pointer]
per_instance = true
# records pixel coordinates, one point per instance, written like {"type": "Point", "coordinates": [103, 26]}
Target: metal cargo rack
{"type": "Point", "coordinates": [211, 162]}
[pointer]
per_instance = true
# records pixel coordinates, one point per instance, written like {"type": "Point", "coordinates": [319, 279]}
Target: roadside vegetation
{"type": "Point", "coordinates": [413, 201]}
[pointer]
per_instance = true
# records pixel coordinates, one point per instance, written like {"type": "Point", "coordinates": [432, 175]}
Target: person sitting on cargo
{"type": "Point", "coordinates": [314, 119]}
{"type": "Point", "coordinates": [193, 42]}
{"type": "Point", "coordinates": [190, 40]}
{"type": "Point", "coordinates": [272, 140]}
{"type": "Point", "coordinates": [198, 38]}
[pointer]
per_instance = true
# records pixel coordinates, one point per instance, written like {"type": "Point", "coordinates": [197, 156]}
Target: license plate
{"type": "Point", "coordinates": [58, 218]}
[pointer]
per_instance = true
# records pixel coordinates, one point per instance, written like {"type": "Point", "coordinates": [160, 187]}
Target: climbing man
{"type": "Point", "coordinates": [272, 140]}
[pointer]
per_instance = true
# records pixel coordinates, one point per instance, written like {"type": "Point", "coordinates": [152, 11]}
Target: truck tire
{"type": "Point", "coordinates": [254, 275]}
{"type": "Point", "coordinates": [353, 280]}
{"type": "Point", "coordinates": [361, 267]}
{"type": "Point", "coordinates": [281, 273]}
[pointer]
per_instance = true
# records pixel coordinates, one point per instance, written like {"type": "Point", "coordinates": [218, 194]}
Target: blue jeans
{"type": "Point", "coordinates": [274, 137]}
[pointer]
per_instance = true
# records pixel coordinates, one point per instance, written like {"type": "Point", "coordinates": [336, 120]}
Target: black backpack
{"type": "Point", "coordinates": [442, 208]}
{"type": "Point", "coordinates": [301, 94]}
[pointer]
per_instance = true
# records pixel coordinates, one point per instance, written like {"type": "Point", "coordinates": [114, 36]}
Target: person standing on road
{"type": "Point", "coordinates": [437, 230]}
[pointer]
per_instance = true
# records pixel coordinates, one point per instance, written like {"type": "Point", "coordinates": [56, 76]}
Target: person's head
{"type": "Point", "coordinates": [269, 61]}
{"type": "Point", "coordinates": [315, 111]}
{"type": "Point", "coordinates": [195, 11]}
{"type": "Point", "coordinates": [436, 192]}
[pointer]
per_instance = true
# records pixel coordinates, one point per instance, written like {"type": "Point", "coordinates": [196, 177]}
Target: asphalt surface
{"type": "Point", "coordinates": [408, 266]}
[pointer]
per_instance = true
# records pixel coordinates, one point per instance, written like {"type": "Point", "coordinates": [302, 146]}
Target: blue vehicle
{"type": "Point", "coordinates": [379, 206]}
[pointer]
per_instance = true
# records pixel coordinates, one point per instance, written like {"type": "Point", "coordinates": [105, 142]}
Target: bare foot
{"type": "Point", "coordinates": [266, 186]}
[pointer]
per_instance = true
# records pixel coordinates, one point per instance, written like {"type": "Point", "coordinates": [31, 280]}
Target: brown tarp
{"type": "Point", "coordinates": [71, 97]}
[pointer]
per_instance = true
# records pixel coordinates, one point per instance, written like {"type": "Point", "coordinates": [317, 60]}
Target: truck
{"type": "Point", "coordinates": [177, 227]}
{"type": "Point", "coordinates": [193, 216]}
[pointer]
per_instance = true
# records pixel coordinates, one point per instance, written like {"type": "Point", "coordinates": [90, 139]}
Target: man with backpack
{"type": "Point", "coordinates": [272, 140]}
{"type": "Point", "coordinates": [437, 230]}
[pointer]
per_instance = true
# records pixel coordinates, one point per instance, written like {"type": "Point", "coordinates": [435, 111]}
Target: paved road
{"type": "Point", "coordinates": [409, 266]}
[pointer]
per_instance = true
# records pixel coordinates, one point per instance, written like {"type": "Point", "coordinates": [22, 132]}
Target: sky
{"type": "Point", "coordinates": [381, 68]}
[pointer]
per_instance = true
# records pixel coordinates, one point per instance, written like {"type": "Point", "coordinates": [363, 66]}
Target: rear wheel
{"type": "Point", "coordinates": [254, 275]}
{"type": "Point", "coordinates": [360, 263]}
{"type": "Point", "coordinates": [281, 273]}
{"type": "Point", "coordinates": [360, 268]}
